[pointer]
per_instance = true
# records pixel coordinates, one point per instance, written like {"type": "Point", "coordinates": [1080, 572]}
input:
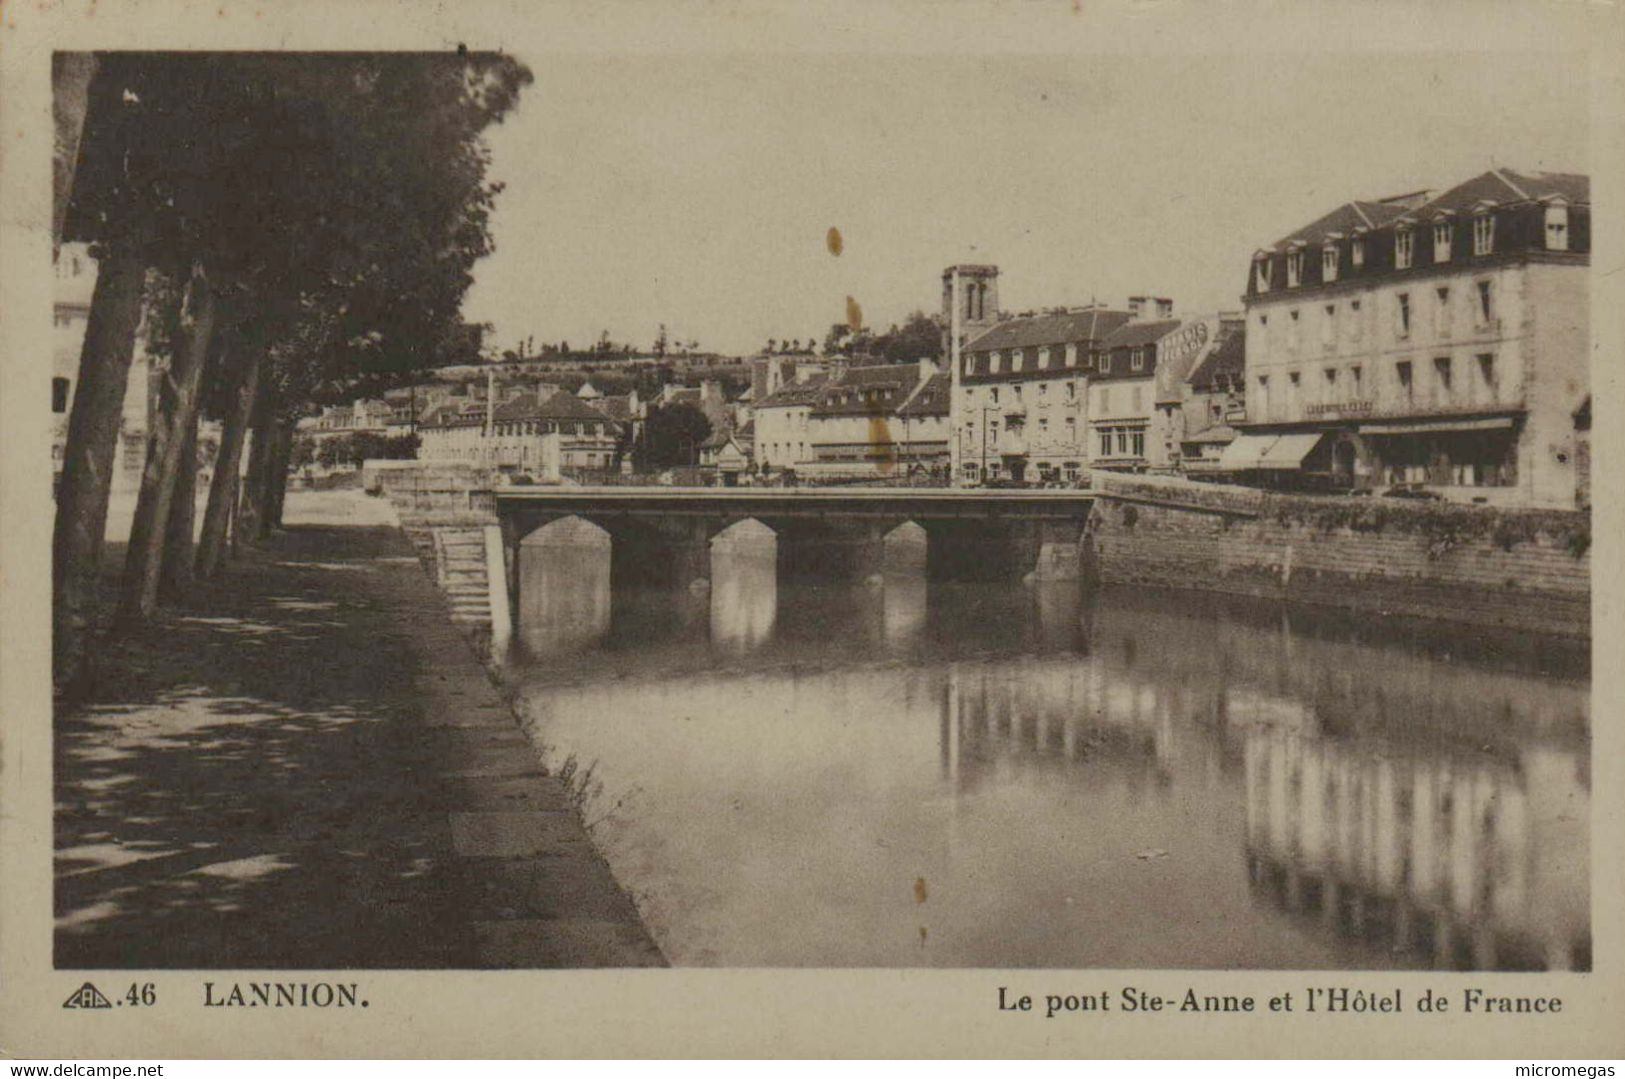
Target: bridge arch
{"type": "Point", "coordinates": [564, 531]}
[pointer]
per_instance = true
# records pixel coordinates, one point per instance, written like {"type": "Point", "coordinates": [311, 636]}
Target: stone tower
{"type": "Point", "coordinates": [978, 302]}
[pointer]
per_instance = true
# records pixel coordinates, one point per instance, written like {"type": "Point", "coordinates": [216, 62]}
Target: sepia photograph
{"type": "Point", "coordinates": [515, 506]}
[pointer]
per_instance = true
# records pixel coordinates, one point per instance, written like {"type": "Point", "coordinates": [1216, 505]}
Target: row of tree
{"type": "Point", "coordinates": [918, 338]}
{"type": "Point", "coordinates": [290, 229]}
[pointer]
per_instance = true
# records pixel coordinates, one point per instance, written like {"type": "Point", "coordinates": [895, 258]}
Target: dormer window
{"type": "Point", "coordinates": [1328, 263]}
{"type": "Point", "coordinates": [1357, 252]}
{"type": "Point", "coordinates": [1105, 362]}
{"type": "Point", "coordinates": [1136, 360]}
{"type": "Point", "coordinates": [1072, 355]}
{"type": "Point", "coordinates": [1016, 356]}
{"type": "Point", "coordinates": [1483, 234]}
{"type": "Point", "coordinates": [1402, 249]}
{"type": "Point", "coordinates": [1557, 227]}
{"type": "Point", "coordinates": [1261, 265]}
{"type": "Point", "coordinates": [1294, 268]}
{"type": "Point", "coordinates": [970, 365]}
{"type": "Point", "coordinates": [1443, 233]}
{"type": "Point", "coordinates": [1043, 357]}
{"type": "Point", "coordinates": [993, 363]}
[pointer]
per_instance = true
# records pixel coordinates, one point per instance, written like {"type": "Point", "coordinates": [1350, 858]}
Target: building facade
{"type": "Point", "coordinates": [1439, 341]}
{"type": "Point", "coordinates": [537, 432]}
{"type": "Point", "coordinates": [1021, 409]}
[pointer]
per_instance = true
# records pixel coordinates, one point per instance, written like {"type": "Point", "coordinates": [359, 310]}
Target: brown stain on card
{"type": "Point", "coordinates": [832, 240]}
{"type": "Point", "coordinates": [919, 889]}
{"type": "Point", "coordinates": [854, 314]}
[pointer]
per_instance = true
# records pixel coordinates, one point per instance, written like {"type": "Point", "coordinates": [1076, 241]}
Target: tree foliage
{"type": "Point", "coordinates": [671, 436]}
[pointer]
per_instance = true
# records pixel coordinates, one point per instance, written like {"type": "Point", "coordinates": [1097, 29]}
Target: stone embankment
{"type": "Point", "coordinates": [1523, 570]}
{"type": "Point", "coordinates": [431, 501]}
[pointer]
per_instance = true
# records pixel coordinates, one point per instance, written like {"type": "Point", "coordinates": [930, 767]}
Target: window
{"type": "Point", "coordinates": [1043, 357]}
{"type": "Point", "coordinates": [59, 395]}
{"type": "Point", "coordinates": [1292, 330]}
{"type": "Point", "coordinates": [1072, 355]}
{"type": "Point", "coordinates": [993, 394]}
{"type": "Point", "coordinates": [1105, 443]}
{"type": "Point", "coordinates": [1043, 389]}
{"type": "Point", "coordinates": [1136, 360]}
{"type": "Point", "coordinates": [1043, 426]}
{"type": "Point", "coordinates": [1483, 234]}
{"type": "Point", "coordinates": [1261, 275]}
{"type": "Point", "coordinates": [993, 361]}
{"type": "Point", "coordinates": [1263, 395]}
{"type": "Point", "coordinates": [1328, 328]}
{"type": "Point", "coordinates": [970, 365]}
{"type": "Point", "coordinates": [1354, 382]}
{"type": "Point", "coordinates": [1402, 376]}
{"type": "Point", "coordinates": [1486, 374]}
{"type": "Point", "coordinates": [1441, 377]}
{"type": "Point", "coordinates": [1402, 249]}
{"type": "Point", "coordinates": [1071, 391]}
{"type": "Point", "coordinates": [1122, 440]}
{"type": "Point", "coordinates": [1017, 355]}
{"type": "Point", "coordinates": [1441, 312]}
{"type": "Point", "coordinates": [1557, 228]}
{"type": "Point", "coordinates": [1443, 233]}
{"type": "Point", "coordinates": [1357, 252]}
{"type": "Point", "coordinates": [1485, 305]}
{"type": "Point", "coordinates": [1105, 362]}
{"type": "Point", "coordinates": [1403, 312]}
{"type": "Point", "coordinates": [1294, 269]}
{"type": "Point", "coordinates": [1328, 263]}
{"type": "Point", "coordinates": [1137, 444]}
{"type": "Point", "coordinates": [1331, 385]}
{"type": "Point", "coordinates": [1016, 391]}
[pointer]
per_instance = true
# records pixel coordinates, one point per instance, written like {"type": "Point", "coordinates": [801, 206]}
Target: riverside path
{"type": "Point", "coordinates": [305, 765]}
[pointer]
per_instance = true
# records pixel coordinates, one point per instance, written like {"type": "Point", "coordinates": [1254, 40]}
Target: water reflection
{"type": "Point", "coordinates": [1133, 780]}
{"type": "Point", "coordinates": [744, 586]}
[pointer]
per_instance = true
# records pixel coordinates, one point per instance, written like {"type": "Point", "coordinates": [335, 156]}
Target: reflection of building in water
{"type": "Point", "coordinates": [1064, 708]}
{"type": "Point", "coordinates": [1471, 860]}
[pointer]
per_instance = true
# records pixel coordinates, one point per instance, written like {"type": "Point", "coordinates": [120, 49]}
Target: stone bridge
{"type": "Point", "coordinates": [663, 535]}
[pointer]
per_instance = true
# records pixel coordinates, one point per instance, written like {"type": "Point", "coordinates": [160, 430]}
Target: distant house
{"type": "Point", "coordinates": [528, 431]}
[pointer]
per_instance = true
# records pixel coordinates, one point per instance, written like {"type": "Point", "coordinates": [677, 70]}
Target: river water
{"type": "Point", "coordinates": [974, 775]}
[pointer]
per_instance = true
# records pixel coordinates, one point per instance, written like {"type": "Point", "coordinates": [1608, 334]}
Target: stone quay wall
{"type": "Point", "coordinates": [436, 507]}
{"type": "Point", "coordinates": [1523, 570]}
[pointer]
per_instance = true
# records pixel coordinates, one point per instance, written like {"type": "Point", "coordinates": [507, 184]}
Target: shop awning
{"type": "Point", "coordinates": [1245, 452]}
{"type": "Point", "coordinates": [1443, 424]}
{"type": "Point", "coordinates": [1289, 450]}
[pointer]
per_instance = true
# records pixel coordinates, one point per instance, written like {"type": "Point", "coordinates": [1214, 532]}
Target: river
{"type": "Point", "coordinates": [988, 775]}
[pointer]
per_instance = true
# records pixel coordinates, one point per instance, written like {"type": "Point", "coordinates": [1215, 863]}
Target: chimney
{"type": "Point", "coordinates": [1165, 307]}
{"type": "Point", "coordinates": [1136, 308]}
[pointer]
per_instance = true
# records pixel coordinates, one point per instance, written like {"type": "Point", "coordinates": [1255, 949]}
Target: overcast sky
{"type": "Point", "coordinates": [697, 190]}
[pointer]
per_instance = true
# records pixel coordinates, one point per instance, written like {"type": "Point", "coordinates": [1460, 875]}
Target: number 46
{"type": "Point", "coordinates": [141, 994]}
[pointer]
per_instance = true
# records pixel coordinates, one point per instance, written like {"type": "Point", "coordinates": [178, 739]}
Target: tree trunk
{"type": "Point", "coordinates": [87, 467]}
{"type": "Point", "coordinates": [71, 73]}
{"type": "Point", "coordinates": [175, 575]}
{"type": "Point", "coordinates": [227, 464]}
{"type": "Point", "coordinates": [277, 488]}
{"type": "Point", "coordinates": [178, 401]}
{"type": "Point", "coordinates": [250, 506]}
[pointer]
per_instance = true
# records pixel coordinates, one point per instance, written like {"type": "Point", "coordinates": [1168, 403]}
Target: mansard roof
{"type": "Point", "coordinates": [1082, 326]}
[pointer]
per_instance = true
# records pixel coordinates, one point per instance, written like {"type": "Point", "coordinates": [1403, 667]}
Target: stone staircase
{"type": "Point", "coordinates": [459, 561]}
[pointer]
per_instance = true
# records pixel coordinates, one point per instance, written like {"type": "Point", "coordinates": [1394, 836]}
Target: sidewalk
{"type": "Point", "coordinates": [305, 766]}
